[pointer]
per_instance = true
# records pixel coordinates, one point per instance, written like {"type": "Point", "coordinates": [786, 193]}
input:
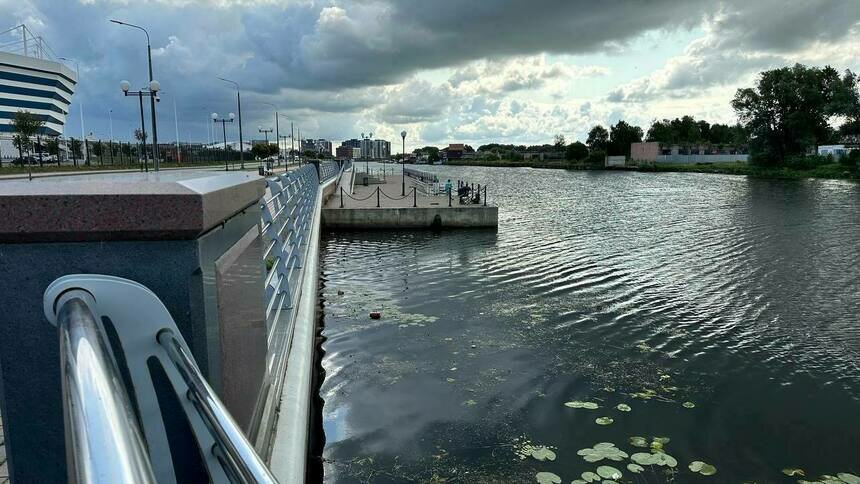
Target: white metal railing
{"type": "Point", "coordinates": [287, 211]}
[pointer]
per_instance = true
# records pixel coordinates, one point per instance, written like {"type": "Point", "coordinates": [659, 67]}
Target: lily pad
{"type": "Point", "coordinates": [603, 421]}
{"type": "Point", "coordinates": [663, 459]}
{"type": "Point", "coordinates": [637, 441]}
{"type": "Point", "coordinates": [635, 468]}
{"type": "Point", "coordinates": [702, 468]}
{"type": "Point", "coordinates": [643, 458]}
{"type": "Point", "coordinates": [688, 405]}
{"type": "Point", "coordinates": [590, 477]}
{"type": "Point", "coordinates": [542, 453]}
{"type": "Point", "coordinates": [603, 450]}
{"type": "Point", "coordinates": [547, 478]}
{"type": "Point", "coordinates": [623, 407]}
{"type": "Point", "coordinates": [578, 404]}
{"type": "Point", "coordinates": [793, 471]}
{"type": "Point", "coordinates": [608, 472]}
{"type": "Point", "coordinates": [848, 478]}
{"type": "Point", "coordinates": [661, 440]}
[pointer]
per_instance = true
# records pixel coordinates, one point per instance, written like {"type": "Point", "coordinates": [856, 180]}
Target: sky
{"type": "Point", "coordinates": [445, 71]}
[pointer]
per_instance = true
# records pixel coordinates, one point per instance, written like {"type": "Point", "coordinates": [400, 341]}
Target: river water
{"type": "Point", "coordinates": [734, 296]}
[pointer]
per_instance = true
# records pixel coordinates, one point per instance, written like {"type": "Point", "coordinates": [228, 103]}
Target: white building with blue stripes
{"type": "Point", "coordinates": [30, 80]}
{"type": "Point", "coordinates": [42, 87]}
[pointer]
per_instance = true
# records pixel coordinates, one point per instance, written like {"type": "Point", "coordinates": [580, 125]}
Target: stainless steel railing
{"type": "Point", "coordinates": [115, 429]}
{"type": "Point", "coordinates": [110, 440]}
{"type": "Point", "coordinates": [103, 440]}
{"type": "Point", "coordinates": [234, 452]}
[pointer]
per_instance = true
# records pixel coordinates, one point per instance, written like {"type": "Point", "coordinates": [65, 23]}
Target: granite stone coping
{"type": "Point", "coordinates": [123, 206]}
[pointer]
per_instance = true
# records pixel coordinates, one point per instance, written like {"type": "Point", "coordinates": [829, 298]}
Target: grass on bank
{"type": "Point", "coordinates": [829, 170]}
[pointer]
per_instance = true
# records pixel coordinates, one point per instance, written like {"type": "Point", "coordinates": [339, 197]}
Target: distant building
{"type": "Point", "coordinates": [323, 147]}
{"type": "Point", "coordinates": [454, 151]}
{"type": "Point", "coordinates": [375, 149]}
{"type": "Point", "coordinates": [30, 80]}
{"type": "Point", "coordinates": [347, 153]}
{"type": "Point", "coordinates": [836, 151]}
{"type": "Point", "coordinates": [657, 152]}
{"type": "Point", "coordinates": [543, 155]}
{"type": "Point", "coordinates": [352, 143]}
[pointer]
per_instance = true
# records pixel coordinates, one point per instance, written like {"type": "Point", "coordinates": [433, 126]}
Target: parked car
{"type": "Point", "coordinates": [27, 160]}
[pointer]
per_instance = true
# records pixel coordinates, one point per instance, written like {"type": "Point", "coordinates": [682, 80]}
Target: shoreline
{"type": "Point", "coordinates": [832, 171]}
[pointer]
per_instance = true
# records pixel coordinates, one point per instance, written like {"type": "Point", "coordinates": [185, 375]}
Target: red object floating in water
{"type": "Point", "coordinates": [375, 315]}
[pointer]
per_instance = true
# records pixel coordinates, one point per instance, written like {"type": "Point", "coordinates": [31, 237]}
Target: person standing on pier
{"type": "Point", "coordinates": [448, 187]}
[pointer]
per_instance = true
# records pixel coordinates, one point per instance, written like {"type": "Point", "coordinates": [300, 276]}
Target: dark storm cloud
{"type": "Point", "coordinates": [370, 42]}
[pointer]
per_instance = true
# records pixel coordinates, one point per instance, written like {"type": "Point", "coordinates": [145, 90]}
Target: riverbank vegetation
{"type": "Point", "coordinates": [781, 122]}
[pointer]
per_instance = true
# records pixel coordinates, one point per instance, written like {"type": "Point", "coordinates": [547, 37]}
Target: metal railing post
{"type": "Point", "coordinates": [449, 198]}
{"type": "Point", "coordinates": [103, 440]}
{"type": "Point", "coordinates": [414, 197]}
{"type": "Point", "coordinates": [377, 197]}
{"type": "Point", "coordinates": [485, 195]}
{"type": "Point", "coordinates": [341, 197]}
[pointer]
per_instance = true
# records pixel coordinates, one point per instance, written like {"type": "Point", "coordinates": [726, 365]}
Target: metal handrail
{"type": "Point", "coordinates": [104, 443]}
{"type": "Point", "coordinates": [237, 454]}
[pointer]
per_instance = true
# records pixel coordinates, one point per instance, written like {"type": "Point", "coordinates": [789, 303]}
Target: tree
{"type": "Point", "coordinates": [788, 110]}
{"type": "Point", "coordinates": [75, 147]}
{"type": "Point", "coordinates": [576, 151]}
{"type": "Point", "coordinates": [598, 139]}
{"type": "Point", "coordinates": [260, 151]}
{"type": "Point", "coordinates": [140, 135]}
{"type": "Point", "coordinates": [621, 136]}
{"type": "Point", "coordinates": [97, 149]}
{"type": "Point", "coordinates": [559, 142]}
{"type": "Point", "coordinates": [25, 125]}
{"type": "Point", "coordinates": [52, 146]}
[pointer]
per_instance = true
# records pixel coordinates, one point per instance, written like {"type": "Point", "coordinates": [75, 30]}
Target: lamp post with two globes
{"type": "Point", "coordinates": [152, 92]}
{"type": "Point", "coordinates": [403, 164]}
{"type": "Point", "coordinates": [154, 98]}
{"type": "Point", "coordinates": [224, 122]}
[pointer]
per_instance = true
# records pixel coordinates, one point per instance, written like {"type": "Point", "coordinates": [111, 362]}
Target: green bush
{"type": "Point", "coordinates": [851, 160]}
{"type": "Point", "coordinates": [596, 158]}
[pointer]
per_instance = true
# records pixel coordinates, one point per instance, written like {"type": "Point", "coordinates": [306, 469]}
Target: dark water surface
{"type": "Point", "coordinates": [740, 296]}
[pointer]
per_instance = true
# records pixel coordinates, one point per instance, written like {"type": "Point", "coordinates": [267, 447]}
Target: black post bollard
{"type": "Point", "coordinates": [485, 195]}
{"type": "Point", "coordinates": [377, 197]}
{"type": "Point", "coordinates": [414, 197]}
{"type": "Point", "coordinates": [449, 199]}
{"type": "Point", "coordinates": [341, 197]}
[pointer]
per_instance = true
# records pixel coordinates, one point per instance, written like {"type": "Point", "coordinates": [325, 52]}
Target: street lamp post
{"type": "Point", "coordinates": [277, 131]}
{"type": "Point", "coordinates": [403, 164]}
{"type": "Point", "coordinates": [154, 87]}
{"type": "Point", "coordinates": [152, 98]}
{"type": "Point", "coordinates": [286, 160]}
{"type": "Point", "coordinates": [239, 104]}
{"type": "Point", "coordinates": [224, 122]}
{"type": "Point", "coordinates": [266, 132]}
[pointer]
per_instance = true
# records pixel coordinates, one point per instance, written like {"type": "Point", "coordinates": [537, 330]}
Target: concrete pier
{"type": "Point", "coordinates": [382, 205]}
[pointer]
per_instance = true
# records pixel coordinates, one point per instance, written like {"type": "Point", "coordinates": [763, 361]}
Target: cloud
{"type": "Point", "coordinates": [738, 43]}
{"type": "Point", "coordinates": [443, 69]}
